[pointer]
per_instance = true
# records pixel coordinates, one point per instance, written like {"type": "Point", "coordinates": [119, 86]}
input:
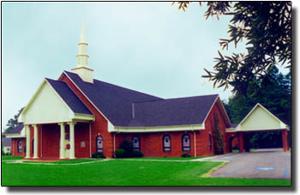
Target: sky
{"type": "Point", "coordinates": [149, 47]}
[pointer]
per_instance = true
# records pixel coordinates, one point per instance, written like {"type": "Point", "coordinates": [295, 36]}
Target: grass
{"type": "Point", "coordinates": [121, 173]}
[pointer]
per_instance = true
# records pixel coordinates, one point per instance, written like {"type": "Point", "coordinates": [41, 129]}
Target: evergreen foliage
{"type": "Point", "coordinates": [217, 137]}
{"type": "Point", "coordinates": [266, 30]}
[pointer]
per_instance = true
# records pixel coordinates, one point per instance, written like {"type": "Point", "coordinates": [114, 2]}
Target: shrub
{"type": "Point", "coordinates": [126, 151]}
{"type": "Point", "coordinates": [185, 155]}
{"type": "Point", "coordinates": [218, 137]}
{"type": "Point", "coordinates": [98, 155]}
{"type": "Point", "coordinates": [126, 145]}
{"type": "Point", "coordinates": [120, 153]}
{"type": "Point", "coordinates": [137, 154]}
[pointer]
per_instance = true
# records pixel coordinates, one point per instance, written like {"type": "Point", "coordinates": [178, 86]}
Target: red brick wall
{"type": "Point", "coordinates": [209, 126]}
{"type": "Point", "coordinates": [49, 141]}
{"type": "Point", "coordinates": [82, 140]}
{"type": "Point", "coordinates": [99, 126]}
{"type": "Point", "coordinates": [151, 144]}
{"type": "Point", "coordinates": [14, 146]}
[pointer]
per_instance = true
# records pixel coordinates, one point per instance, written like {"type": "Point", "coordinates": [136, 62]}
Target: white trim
{"type": "Point", "coordinates": [225, 111]}
{"type": "Point", "coordinates": [160, 128]}
{"type": "Point", "coordinates": [35, 141]}
{"type": "Point", "coordinates": [87, 117]}
{"type": "Point", "coordinates": [210, 110]}
{"type": "Point", "coordinates": [246, 130]}
{"type": "Point", "coordinates": [14, 135]}
{"type": "Point", "coordinates": [85, 96]}
{"type": "Point", "coordinates": [215, 101]}
{"type": "Point", "coordinates": [72, 115]}
{"type": "Point", "coordinates": [75, 115]}
{"type": "Point", "coordinates": [20, 118]}
{"type": "Point", "coordinates": [61, 99]}
{"type": "Point", "coordinates": [282, 124]}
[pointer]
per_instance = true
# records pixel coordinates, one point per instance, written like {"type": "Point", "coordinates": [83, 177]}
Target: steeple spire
{"type": "Point", "coordinates": [82, 56]}
{"type": "Point", "coordinates": [82, 68]}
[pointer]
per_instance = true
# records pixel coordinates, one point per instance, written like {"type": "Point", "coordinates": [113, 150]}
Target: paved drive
{"type": "Point", "coordinates": [263, 164]}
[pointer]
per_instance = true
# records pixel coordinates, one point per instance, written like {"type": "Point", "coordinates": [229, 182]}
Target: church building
{"type": "Point", "coordinates": [77, 115]}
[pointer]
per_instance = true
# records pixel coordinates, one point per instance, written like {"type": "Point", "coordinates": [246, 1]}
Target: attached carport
{"type": "Point", "coordinates": [259, 119]}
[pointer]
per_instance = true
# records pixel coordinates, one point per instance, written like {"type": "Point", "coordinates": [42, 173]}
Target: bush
{"type": "Point", "coordinates": [127, 145]}
{"type": "Point", "coordinates": [98, 155]}
{"type": "Point", "coordinates": [120, 153]}
{"type": "Point", "coordinates": [126, 151]}
{"type": "Point", "coordinates": [185, 155]}
{"type": "Point", "coordinates": [137, 154]}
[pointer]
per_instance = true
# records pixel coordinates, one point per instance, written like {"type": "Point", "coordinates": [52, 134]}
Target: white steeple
{"type": "Point", "coordinates": [82, 68]}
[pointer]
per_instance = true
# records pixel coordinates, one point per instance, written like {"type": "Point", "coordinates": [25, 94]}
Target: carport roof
{"type": "Point", "coordinates": [259, 119]}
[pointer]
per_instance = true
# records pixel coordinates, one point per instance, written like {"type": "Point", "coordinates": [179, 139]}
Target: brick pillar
{"type": "Point", "coordinates": [241, 142]}
{"type": "Point", "coordinates": [285, 143]}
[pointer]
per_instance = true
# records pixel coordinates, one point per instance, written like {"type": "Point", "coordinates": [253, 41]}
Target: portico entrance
{"type": "Point", "coordinates": [50, 119]}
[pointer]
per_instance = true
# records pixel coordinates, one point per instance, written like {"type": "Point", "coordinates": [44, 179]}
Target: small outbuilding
{"type": "Point", "coordinates": [259, 119]}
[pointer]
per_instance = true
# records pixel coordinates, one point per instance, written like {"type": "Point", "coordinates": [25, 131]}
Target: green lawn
{"type": "Point", "coordinates": [141, 172]}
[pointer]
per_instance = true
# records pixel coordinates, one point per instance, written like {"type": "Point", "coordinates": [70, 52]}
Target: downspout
{"type": "Point", "coordinates": [114, 141]}
{"type": "Point", "coordinates": [90, 129]}
{"type": "Point", "coordinates": [195, 145]}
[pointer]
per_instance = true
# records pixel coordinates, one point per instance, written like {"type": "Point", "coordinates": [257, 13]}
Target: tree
{"type": "Point", "coordinates": [267, 29]}
{"type": "Point", "coordinates": [13, 122]}
{"type": "Point", "coordinates": [217, 137]}
{"type": "Point", "coordinates": [273, 92]}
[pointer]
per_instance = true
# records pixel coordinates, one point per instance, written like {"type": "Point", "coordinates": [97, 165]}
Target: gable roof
{"type": "Point", "coordinates": [128, 108]}
{"type": "Point", "coordinates": [6, 141]}
{"type": "Point", "coordinates": [258, 105]}
{"type": "Point", "coordinates": [177, 111]}
{"type": "Point", "coordinates": [69, 97]}
{"type": "Point", "coordinates": [113, 101]}
{"type": "Point", "coordinates": [15, 130]}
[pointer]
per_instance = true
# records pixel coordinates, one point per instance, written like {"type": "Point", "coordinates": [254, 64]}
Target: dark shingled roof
{"type": "Point", "coordinates": [113, 101]}
{"type": "Point", "coordinates": [69, 97]}
{"type": "Point", "coordinates": [178, 111]}
{"type": "Point", "coordinates": [125, 107]}
{"type": "Point", "coordinates": [6, 141]}
{"type": "Point", "coordinates": [17, 129]}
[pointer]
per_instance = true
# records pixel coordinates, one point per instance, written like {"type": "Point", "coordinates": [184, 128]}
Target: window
{"type": "Point", "coordinates": [167, 143]}
{"type": "Point", "coordinates": [20, 146]}
{"type": "Point", "coordinates": [186, 142]}
{"type": "Point", "coordinates": [136, 143]}
{"type": "Point", "coordinates": [99, 143]}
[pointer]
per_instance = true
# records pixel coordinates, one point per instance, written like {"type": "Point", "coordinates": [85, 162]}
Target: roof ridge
{"type": "Point", "coordinates": [107, 83]}
{"type": "Point", "coordinates": [180, 98]}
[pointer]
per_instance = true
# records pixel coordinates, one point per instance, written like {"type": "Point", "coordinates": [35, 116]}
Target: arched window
{"type": "Point", "coordinates": [136, 143]}
{"type": "Point", "coordinates": [166, 143]}
{"type": "Point", "coordinates": [20, 146]}
{"type": "Point", "coordinates": [186, 142]}
{"type": "Point", "coordinates": [99, 143]}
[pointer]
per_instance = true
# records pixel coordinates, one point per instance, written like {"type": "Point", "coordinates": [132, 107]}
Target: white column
{"type": "Point", "coordinates": [35, 141]}
{"type": "Point", "coordinates": [62, 141]}
{"type": "Point", "coordinates": [27, 133]}
{"type": "Point", "coordinates": [72, 140]}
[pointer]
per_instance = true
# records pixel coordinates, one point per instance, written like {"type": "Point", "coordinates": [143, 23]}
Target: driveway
{"type": "Point", "coordinates": [260, 164]}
